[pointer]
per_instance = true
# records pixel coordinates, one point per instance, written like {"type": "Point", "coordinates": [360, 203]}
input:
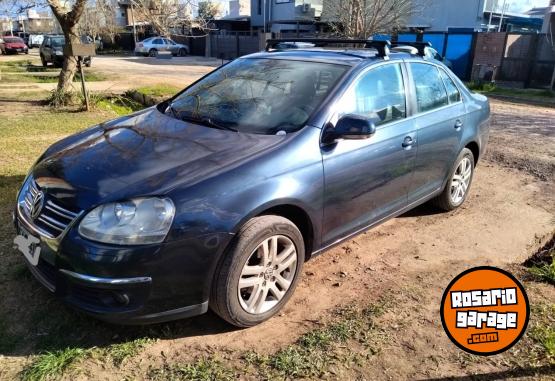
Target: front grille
{"type": "Point", "coordinates": [53, 219]}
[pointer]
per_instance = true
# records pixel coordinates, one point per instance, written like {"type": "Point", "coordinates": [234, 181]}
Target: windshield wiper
{"type": "Point", "coordinates": [208, 122]}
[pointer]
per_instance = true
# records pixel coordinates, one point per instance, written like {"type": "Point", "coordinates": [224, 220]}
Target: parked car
{"type": "Point", "coordinates": [35, 40]}
{"type": "Point", "coordinates": [217, 196]}
{"type": "Point", "coordinates": [14, 45]}
{"type": "Point", "coordinates": [52, 51]}
{"type": "Point", "coordinates": [154, 45]}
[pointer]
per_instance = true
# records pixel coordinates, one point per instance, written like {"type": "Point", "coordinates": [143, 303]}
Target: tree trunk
{"type": "Point", "coordinates": [69, 68]}
{"type": "Point", "coordinates": [68, 22]}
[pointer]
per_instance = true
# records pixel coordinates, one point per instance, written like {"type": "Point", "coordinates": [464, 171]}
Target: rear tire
{"type": "Point", "coordinates": [152, 53]}
{"type": "Point", "coordinates": [259, 272]}
{"type": "Point", "coordinates": [458, 184]}
{"type": "Point", "coordinates": [43, 61]}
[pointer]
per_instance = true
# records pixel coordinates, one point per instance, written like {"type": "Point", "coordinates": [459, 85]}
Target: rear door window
{"type": "Point", "coordinates": [157, 41]}
{"type": "Point", "coordinates": [378, 94]}
{"type": "Point", "coordinates": [430, 90]}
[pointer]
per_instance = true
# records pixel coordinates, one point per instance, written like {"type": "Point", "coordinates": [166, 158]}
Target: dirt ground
{"type": "Point", "coordinates": [408, 260]}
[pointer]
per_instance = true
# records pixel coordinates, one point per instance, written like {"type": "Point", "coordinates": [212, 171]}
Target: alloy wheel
{"type": "Point", "coordinates": [461, 180]}
{"type": "Point", "coordinates": [267, 274]}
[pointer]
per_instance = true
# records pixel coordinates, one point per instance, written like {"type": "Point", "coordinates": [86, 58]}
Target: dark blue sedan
{"type": "Point", "coordinates": [216, 197]}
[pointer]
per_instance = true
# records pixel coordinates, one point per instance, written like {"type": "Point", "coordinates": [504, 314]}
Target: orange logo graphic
{"type": "Point", "coordinates": [485, 310]}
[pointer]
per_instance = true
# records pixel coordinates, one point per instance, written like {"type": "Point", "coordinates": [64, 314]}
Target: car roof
{"type": "Point", "coordinates": [350, 57]}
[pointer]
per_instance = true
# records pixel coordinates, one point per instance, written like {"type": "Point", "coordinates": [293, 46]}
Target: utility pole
{"type": "Point", "coordinates": [264, 16]}
{"type": "Point", "coordinates": [492, 7]}
{"type": "Point", "coordinates": [503, 9]}
{"type": "Point", "coordinates": [134, 28]}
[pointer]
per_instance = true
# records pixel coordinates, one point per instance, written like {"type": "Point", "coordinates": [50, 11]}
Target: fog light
{"type": "Point", "coordinates": [122, 298]}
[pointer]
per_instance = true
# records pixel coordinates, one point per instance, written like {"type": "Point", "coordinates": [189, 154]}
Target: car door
{"type": "Point", "coordinates": [368, 180]}
{"type": "Point", "coordinates": [439, 118]}
{"type": "Point", "coordinates": [158, 44]}
{"type": "Point", "coordinates": [170, 46]}
{"type": "Point", "coordinates": [46, 49]}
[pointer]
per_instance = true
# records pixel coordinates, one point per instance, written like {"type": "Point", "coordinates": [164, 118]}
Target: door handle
{"type": "Point", "coordinates": [409, 141]}
{"type": "Point", "coordinates": [458, 124]}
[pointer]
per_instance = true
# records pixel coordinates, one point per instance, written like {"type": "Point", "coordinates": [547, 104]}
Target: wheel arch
{"type": "Point", "coordinates": [475, 149]}
{"type": "Point", "coordinates": [293, 211]}
{"type": "Point", "coordinates": [300, 218]}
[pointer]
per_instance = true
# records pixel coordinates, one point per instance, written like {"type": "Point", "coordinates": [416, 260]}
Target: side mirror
{"type": "Point", "coordinates": [349, 127]}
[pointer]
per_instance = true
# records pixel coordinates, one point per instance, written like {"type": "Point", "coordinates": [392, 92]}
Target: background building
{"type": "Point", "coordinates": [549, 20]}
{"type": "Point", "coordinates": [238, 8]}
{"type": "Point", "coordinates": [286, 15]}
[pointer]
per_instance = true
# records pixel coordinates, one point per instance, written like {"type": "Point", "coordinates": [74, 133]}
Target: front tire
{"type": "Point", "coordinates": [259, 272]}
{"type": "Point", "coordinates": [458, 183]}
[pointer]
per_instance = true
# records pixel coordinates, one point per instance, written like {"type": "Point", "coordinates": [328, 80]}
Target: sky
{"type": "Point", "coordinates": [524, 5]}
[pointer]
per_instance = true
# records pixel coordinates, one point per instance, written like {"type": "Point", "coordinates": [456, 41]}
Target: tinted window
{"type": "Point", "coordinates": [262, 96]}
{"type": "Point", "coordinates": [430, 91]}
{"type": "Point", "coordinates": [379, 95]}
{"type": "Point", "coordinates": [158, 41]}
{"type": "Point", "coordinates": [452, 90]}
{"type": "Point", "coordinates": [58, 42]}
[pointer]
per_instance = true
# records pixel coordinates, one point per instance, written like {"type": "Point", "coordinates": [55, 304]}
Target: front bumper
{"type": "Point", "coordinates": [127, 285]}
{"type": "Point", "coordinates": [16, 50]}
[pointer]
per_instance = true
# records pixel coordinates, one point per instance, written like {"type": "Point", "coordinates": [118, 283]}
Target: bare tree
{"type": "Point", "coordinates": [109, 26]}
{"type": "Point", "coordinates": [91, 22]}
{"type": "Point", "coordinates": [208, 11]}
{"type": "Point", "coordinates": [99, 19]}
{"type": "Point", "coordinates": [363, 18]}
{"type": "Point", "coordinates": [68, 18]}
{"type": "Point", "coordinates": [166, 17]}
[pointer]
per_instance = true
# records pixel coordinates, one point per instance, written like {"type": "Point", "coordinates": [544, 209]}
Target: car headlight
{"type": "Point", "coordinates": [59, 53]}
{"type": "Point", "coordinates": [134, 222]}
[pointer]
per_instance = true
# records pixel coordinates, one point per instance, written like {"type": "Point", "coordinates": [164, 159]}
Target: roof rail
{"type": "Point", "coordinates": [419, 45]}
{"type": "Point", "coordinates": [381, 46]}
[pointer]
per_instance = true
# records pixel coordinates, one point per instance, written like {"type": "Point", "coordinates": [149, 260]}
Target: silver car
{"type": "Point", "coordinates": [154, 45]}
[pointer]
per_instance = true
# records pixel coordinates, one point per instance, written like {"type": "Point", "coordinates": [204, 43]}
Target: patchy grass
{"type": "Point", "coordinates": [51, 365]}
{"type": "Point", "coordinates": [119, 352]}
{"type": "Point", "coordinates": [542, 264]}
{"type": "Point", "coordinates": [204, 369]}
{"type": "Point", "coordinates": [487, 88]}
{"type": "Point", "coordinates": [542, 332]}
{"type": "Point", "coordinates": [120, 105]}
{"type": "Point", "coordinates": [49, 78]}
{"type": "Point", "coordinates": [159, 90]}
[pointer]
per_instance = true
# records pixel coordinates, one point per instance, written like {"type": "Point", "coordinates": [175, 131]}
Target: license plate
{"type": "Point", "coordinates": [29, 245]}
{"type": "Point", "coordinates": [19, 50]}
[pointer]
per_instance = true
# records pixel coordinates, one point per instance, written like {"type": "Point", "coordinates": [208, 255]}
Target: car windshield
{"type": "Point", "coordinates": [13, 40]}
{"type": "Point", "coordinates": [58, 41]}
{"type": "Point", "coordinates": [261, 96]}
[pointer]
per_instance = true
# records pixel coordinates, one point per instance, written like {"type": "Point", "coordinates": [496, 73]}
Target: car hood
{"type": "Point", "coordinates": [146, 153]}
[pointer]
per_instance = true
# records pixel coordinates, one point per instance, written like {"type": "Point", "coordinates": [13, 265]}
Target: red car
{"type": "Point", "coordinates": [13, 45]}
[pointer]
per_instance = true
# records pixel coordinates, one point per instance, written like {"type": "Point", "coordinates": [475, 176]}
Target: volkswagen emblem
{"type": "Point", "coordinates": [37, 204]}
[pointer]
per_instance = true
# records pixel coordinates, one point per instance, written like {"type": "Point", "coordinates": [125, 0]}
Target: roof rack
{"type": "Point", "coordinates": [381, 46]}
{"type": "Point", "coordinates": [419, 45]}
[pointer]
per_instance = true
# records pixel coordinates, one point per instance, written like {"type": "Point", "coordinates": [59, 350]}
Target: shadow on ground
{"type": "Point", "coordinates": [545, 370]}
